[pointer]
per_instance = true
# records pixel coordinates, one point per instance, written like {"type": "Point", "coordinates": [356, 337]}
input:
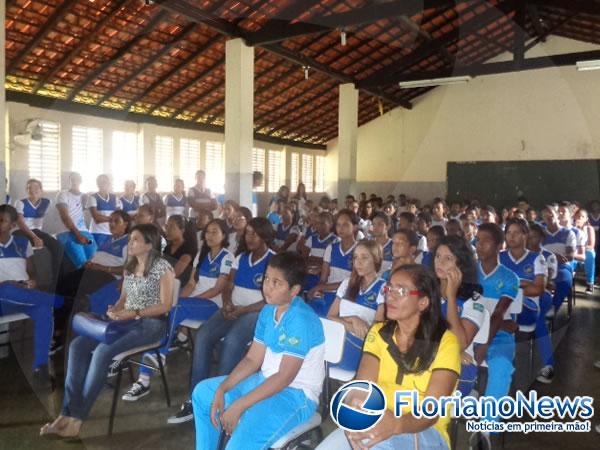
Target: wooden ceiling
{"type": "Point", "coordinates": [166, 59]}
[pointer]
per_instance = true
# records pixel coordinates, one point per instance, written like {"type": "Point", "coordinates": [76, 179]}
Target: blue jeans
{"type": "Point", "coordinates": [78, 253]}
{"type": "Point", "coordinates": [542, 335]}
{"type": "Point", "coordinates": [564, 283]}
{"type": "Point", "coordinates": [39, 307]}
{"type": "Point", "coordinates": [260, 425]}
{"type": "Point", "coordinates": [187, 308]}
{"type": "Point", "coordinates": [428, 439]}
{"type": "Point", "coordinates": [89, 361]}
{"type": "Point", "coordinates": [237, 334]}
{"type": "Point", "coordinates": [500, 357]}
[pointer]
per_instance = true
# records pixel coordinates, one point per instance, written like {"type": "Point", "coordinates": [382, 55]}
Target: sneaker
{"type": "Point", "coordinates": [178, 343]}
{"type": "Point", "coordinates": [185, 414]}
{"type": "Point", "coordinates": [597, 364]}
{"type": "Point", "coordinates": [480, 441]}
{"type": "Point", "coordinates": [113, 369]}
{"type": "Point", "coordinates": [590, 289]}
{"type": "Point", "coordinates": [546, 375]}
{"type": "Point", "coordinates": [150, 359]}
{"type": "Point", "coordinates": [135, 392]}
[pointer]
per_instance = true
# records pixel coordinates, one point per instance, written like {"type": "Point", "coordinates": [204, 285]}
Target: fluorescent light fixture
{"type": "Point", "coordinates": [434, 82]}
{"type": "Point", "coordinates": [593, 64]}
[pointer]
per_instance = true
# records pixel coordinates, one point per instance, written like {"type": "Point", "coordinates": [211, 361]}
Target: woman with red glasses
{"type": "Point", "coordinates": [412, 350]}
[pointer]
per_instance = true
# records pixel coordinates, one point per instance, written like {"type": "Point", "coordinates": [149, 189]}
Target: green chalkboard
{"type": "Point", "coordinates": [499, 183]}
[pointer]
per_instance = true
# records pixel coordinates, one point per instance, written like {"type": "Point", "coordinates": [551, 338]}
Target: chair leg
{"type": "Point", "coordinates": [164, 378]}
{"type": "Point", "coordinates": [113, 408]}
{"type": "Point", "coordinates": [130, 367]}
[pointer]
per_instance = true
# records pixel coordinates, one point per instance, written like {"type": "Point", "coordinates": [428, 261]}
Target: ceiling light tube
{"type": "Point", "coordinates": [434, 82]}
{"type": "Point", "coordinates": [593, 64]}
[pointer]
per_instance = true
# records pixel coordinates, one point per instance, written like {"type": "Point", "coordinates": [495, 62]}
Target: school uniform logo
{"type": "Point", "coordinates": [371, 298]}
{"type": "Point", "coordinates": [213, 270]}
{"type": "Point", "coordinates": [528, 269]}
{"type": "Point", "coordinates": [258, 280]}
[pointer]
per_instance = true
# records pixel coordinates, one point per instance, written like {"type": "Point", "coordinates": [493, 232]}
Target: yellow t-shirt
{"type": "Point", "coordinates": [391, 380]}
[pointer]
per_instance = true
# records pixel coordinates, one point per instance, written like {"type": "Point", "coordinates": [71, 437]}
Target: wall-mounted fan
{"type": "Point", "coordinates": [31, 131]}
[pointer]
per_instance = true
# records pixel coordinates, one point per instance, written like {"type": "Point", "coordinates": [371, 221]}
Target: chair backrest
{"type": "Point", "coordinates": [175, 296]}
{"type": "Point", "coordinates": [335, 334]}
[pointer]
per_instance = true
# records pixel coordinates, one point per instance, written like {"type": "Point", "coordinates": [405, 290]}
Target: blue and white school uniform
{"type": "Point", "coordinates": [104, 206]}
{"type": "Point", "coordinates": [388, 257]}
{"type": "Point", "coordinates": [317, 247]}
{"type": "Point", "coordinates": [33, 215]}
{"type": "Point", "coordinates": [78, 253]}
{"type": "Point", "coordinates": [558, 243]}
{"type": "Point", "coordinates": [16, 299]}
{"type": "Point", "coordinates": [528, 267]}
{"type": "Point", "coordinates": [501, 282]}
{"type": "Point", "coordinates": [298, 334]}
{"type": "Point", "coordinates": [364, 307]}
{"type": "Point", "coordinates": [282, 233]}
{"type": "Point", "coordinates": [425, 259]}
{"type": "Point", "coordinates": [176, 205]}
{"type": "Point", "coordinates": [111, 253]}
{"type": "Point", "coordinates": [130, 206]}
{"type": "Point", "coordinates": [248, 280]}
{"type": "Point", "coordinates": [473, 311]}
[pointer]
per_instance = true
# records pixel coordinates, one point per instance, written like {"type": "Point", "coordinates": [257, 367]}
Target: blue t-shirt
{"type": "Point", "coordinates": [501, 282]}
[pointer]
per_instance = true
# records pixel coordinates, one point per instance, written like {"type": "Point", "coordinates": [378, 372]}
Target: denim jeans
{"type": "Point", "coordinates": [428, 439]}
{"type": "Point", "coordinates": [237, 334]}
{"type": "Point", "coordinates": [260, 425]}
{"type": "Point", "coordinates": [77, 252]}
{"type": "Point", "coordinates": [89, 360]}
{"type": "Point", "coordinates": [39, 307]}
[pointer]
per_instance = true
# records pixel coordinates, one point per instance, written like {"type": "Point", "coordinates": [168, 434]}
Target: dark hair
{"type": "Point", "coordinates": [348, 213]}
{"type": "Point", "coordinates": [411, 236]}
{"type": "Point", "coordinates": [292, 265]}
{"type": "Point", "coordinates": [494, 230]}
{"type": "Point", "coordinates": [205, 248]}
{"type": "Point", "coordinates": [408, 216]}
{"type": "Point", "coordinates": [438, 230]}
{"type": "Point", "coordinates": [383, 216]}
{"type": "Point", "coordinates": [521, 223]}
{"type": "Point", "coordinates": [151, 235]}
{"type": "Point", "coordinates": [465, 261]}
{"type": "Point", "coordinates": [34, 180]}
{"type": "Point", "coordinates": [456, 223]}
{"type": "Point", "coordinates": [263, 228]}
{"type": "Point", "coordinates": [431, 328]}
{"type": "Point", "coordinates": [325, 215]}
{"type": "Point", "coordinates": [536, 228]}
{"type": "Point", "coordinates": [125, 217]}
{"type": "Point", "coordinates": [10, 210]}
{"type": "Point", "coordinates": [189, 231]}
{"type": "Point", "coordinates": [425, 217]}
{"type": "Point", "coordinates": [245, 212]}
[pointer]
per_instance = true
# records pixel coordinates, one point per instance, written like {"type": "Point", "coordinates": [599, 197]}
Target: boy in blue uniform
{"type": "Point", "coordinates": [277, 385]}
{"type": "Point", "coordinates": [500, 288]}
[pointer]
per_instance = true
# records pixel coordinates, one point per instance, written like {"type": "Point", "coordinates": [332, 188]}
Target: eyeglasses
{"type": "Point", "coordinates": [389, 290]}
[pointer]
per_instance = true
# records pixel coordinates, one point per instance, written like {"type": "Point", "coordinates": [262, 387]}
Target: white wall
{"type": "Point", "coordinates": [541, 114]}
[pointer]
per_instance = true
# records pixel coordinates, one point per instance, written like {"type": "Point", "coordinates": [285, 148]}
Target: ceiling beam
{"type": "Point", "coordinates": [391, 74]}
{"type": "Point", "coordinates": [183, 34]}
{"type": "Point", "coordinates": [154, 21]}
{"type": "Point", "coordinates": [52, 21]}
{"type": "Point", "coordinates": [276, 30]}
{"type": "Point", "coordinates": [86, 39]}
{"type": "Point", "coordinates": [579, 6]}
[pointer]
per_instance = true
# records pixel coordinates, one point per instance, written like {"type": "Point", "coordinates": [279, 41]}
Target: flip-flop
{"type": "Point", "coordinates": [50, 432]}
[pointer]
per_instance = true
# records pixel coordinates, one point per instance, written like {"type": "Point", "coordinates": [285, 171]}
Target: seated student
{"type": "Point", "coordinates": [146, 216]}
{"type": "Point", "coordinates": [229, 207]}
{"type": "Point", "coordinates": [363, 225]}
{"type": "Point", "coordinates": [337, 262]}
{"type": "Point", "coordinates": [488, 214]}
{"type": "Point", "coordinates": [17, 289]}
{"type": "Point", "coordinates": [500, 288]}
{"type": "Point", "coordinates": [434, 236]}
{"type": "Point", "coordinates": [276, 386]}
{"type": "Point", "coordinates": [199, 299]}
{"type": "Point", "coordinates": [146, 295]}
{"type": "Point", "coordinates": [242, 301]}
{"type": "Point", "coordinates": [315, 246]}
{"type": "Point", "coordinates": [562, 242]}
{"type": "Point", "coordinates": [565, 220]}
{"type": "Point", "coordinates": [129, 200]}
{"type": "Point", "coordinates": [422, 224]}
{"type": "Point", "coordinates": [153, 199]}
{"type": "Point", "coordinates": [287, 232]}
{"type": "Point", "coordinates": [456, 209]}
{"type": "Point", "coordinates": [176, 201]}
{"type": "Point", "coordinates": [308, 229]}
{"type": "Point", "coordinates": [182, 246]}
{"type": "Point", "coordinates": [456, 270]}
{"type": "Point", "coordinates": [531, 215]}
{"type": "Point", "coordinates": [73, 234]}
{"type": "Point", "coordinates": [31, 211]}
{"type": "Point", "coordinates": [438, 213]}
{"type": "Point", "coordinates": [589, 241]}
{"type": "Point", "coordinates": [389, 209]}
{"type": "Point", "coordinates": [359, 301]}
{"type": "Point", "coordinates": [403, 250]}
{"type": "Point", "coordinates": [381, 226]}
{"type": "Point", "coordinates": [101, 205]}
{"type": "Point", "coordinates": [413, 347]}
{"type": "Point", "coordinates": [532, 270]}
{"type": "Point", "coordinates": [454, 228]}
{"type": "Point", "coordinates": [239, 219]}
{"type": "Point", "coordinates": [408, 221]}
{"type": "Point", "coordinates": [202, 220]}
{"type": "Point", "coordinates": [276, 208]}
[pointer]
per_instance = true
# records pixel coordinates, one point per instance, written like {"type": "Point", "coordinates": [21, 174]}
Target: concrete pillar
{"type": "Point", "coordinates": [3, 119]}
{"type": "Point", "coordinates": [239, 121]}
{"type": "Point", "coordinates": [347, 136]}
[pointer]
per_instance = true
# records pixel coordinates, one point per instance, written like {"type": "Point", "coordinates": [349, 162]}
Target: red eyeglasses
{"type": "Point", "coordinates": [401, 291]}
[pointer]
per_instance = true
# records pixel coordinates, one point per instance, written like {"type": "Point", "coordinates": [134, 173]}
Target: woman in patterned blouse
{"type": "Point", "coordinates": [146, 297]}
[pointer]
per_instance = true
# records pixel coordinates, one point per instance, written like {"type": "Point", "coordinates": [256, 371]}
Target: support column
{"type": "Point", "coordinates": [239, 121]}
{"type": "Point", "coordinates": [347, 136]}
{"type": "Point", "coordinates": [3, 118]}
